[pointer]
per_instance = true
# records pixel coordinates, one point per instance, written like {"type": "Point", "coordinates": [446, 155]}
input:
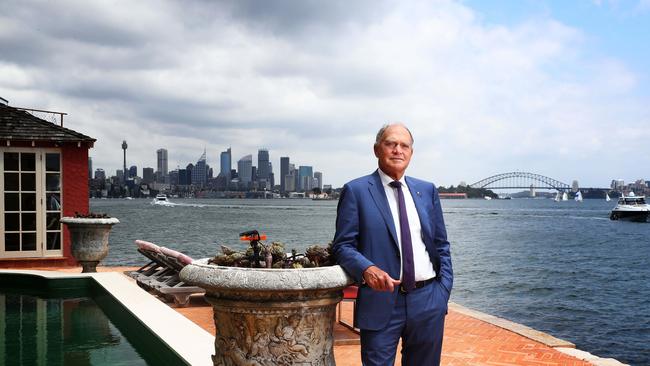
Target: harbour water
{"type": "Point", "coordinates": [560, 267]}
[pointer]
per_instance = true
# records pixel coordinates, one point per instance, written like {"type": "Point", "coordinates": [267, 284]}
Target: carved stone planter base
{"type": "Point", "coordinates": [274, 333]}
{"type": "Point", "coordinates": [268, 317]}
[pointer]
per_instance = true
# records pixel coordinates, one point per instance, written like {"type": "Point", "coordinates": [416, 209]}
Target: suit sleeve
{"type": "Point", "coordinates": [346, 239]}
{"type": "Point", "coordinates": [442, 244]}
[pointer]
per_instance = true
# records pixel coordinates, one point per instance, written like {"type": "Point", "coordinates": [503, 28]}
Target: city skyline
{"type": "Point", "coordinates": [550, 87]}
{"type": "Point", "coordinates": [224, 157]}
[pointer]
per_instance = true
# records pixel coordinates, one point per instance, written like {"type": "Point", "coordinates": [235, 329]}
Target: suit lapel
{"type": "Point", "coordinates": [378, 194]}
{"type": "Point", "coordinates": [416, 193]}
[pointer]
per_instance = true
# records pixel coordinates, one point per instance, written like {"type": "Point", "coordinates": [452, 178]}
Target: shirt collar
{"type": "Point", "coordinates": [385, 179]}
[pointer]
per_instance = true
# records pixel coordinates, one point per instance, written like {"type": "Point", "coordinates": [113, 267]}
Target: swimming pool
{"type": "Point", "coordinates": [72, 321]}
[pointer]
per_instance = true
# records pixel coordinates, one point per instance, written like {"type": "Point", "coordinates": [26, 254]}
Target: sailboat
{"type": "Point", "coordinates": [578, 196]}
{"type": "Point", "coordinates": [557, 197]}
{"type": "Point", "coordinates": [607, 197]}
{"type": "Point", "coordinates": [565, 197]}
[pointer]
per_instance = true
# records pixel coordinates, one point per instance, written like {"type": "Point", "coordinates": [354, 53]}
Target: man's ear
{"type": "Point", "coordinates": [375, 149]}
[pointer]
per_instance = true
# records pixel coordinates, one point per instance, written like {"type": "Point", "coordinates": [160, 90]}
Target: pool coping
{"type": "Point", "coordinates": [190, 342]}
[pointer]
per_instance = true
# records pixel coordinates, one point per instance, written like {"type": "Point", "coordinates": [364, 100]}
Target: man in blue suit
{"type": "Point", "coordinates": [391, 238]}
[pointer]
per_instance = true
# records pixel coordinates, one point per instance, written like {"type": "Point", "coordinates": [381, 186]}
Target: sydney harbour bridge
{"type": "Point", "coordinates": [523, 180]}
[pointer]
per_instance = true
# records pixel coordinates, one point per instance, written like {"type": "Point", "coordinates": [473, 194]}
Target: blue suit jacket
{"type": "Point", "coordinates": [366, 236]}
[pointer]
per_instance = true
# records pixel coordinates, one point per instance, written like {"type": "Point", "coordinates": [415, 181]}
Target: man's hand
{"type": "Point", "coordinates": [379, 280]}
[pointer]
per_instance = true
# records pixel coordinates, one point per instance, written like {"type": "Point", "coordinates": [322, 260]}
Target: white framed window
{"type": "Point", "coordinates": [31, 205]}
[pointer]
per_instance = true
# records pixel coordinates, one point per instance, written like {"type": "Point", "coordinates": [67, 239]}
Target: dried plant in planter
{"type": "Point", "coordinates": [274, 255]}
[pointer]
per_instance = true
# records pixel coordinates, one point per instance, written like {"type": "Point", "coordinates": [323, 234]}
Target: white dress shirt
{"type": "Point", "coordinates": [421, 261]}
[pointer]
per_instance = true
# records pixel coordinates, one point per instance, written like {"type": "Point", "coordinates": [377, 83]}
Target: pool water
{"type": "Point", "coordinates": [56, 331]}
{"type": "Point", "coordinates": [64, 322]}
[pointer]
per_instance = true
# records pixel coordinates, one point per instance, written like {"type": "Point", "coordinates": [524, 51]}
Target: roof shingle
{"type": "Point", "coordinates": [18, 125]}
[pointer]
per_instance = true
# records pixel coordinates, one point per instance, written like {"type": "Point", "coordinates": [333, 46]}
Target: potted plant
{"type": "Point", "coordinates": [89, 236]}
{"type": "Point", "coordinates": [277, 309]}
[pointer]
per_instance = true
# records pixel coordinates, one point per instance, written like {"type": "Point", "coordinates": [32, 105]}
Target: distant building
{"type": "Point", "coordinates": [189, 168]}
{"type": "Point", "coordinates": [290, 182]}
{"type": "Point", "coordinates": [182, 177]}
{"type": "Point", "coordinates": [245, 169]}
{"type": "Point", "coordinates": [284, 171]}
{"type": "Point", "coordinates": [173, 177]}
{"type": "Point", "coordinates": [133, 171]}
{"type": "Point", "coordinates": [100, 174]}
{"type": "Point", "coordinates": [163, 162]}
{"type": "Point", "coordinates": [305, 175]}
{"type": "Point", "coordinates": [147, 175]}
{"type": "Point", "coordinates": [199, 173]}
{"type": "Point", "coordinates": [263, 168]}
{"type": "Point", "coordinates": [120, 175]}
{"type": "Point", "coordinates": [226, 164]}
{"type": "Point", "coordinates": [618, 184]}
{"type": "Point", "coordinates": [318, 180]}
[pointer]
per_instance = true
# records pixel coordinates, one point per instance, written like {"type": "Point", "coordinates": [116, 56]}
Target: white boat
{"type": "Point", "coordinates": [565, 197]}
{"type": "Point", "coordinates": [607, 197]}
{"type": "Point", "coordinates": [487, 198]}
{"type": "Point", "coordinates": [578, 196]}
{"type": "Point", "coordinates": [161, 200]}
{"type": "Point", "coordinates": [632, 208]}
{"type": "Point", "coordinates": [557, 197]}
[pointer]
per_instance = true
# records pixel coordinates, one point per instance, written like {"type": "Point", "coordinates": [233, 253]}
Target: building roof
{"type": "Point", "coordinates": [18, 125]}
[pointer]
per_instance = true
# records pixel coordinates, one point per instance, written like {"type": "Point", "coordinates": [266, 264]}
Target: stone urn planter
{"type": "Point", "coordinates": [270, 316]}
{"type": "Point", "coordinates": [89, 238]}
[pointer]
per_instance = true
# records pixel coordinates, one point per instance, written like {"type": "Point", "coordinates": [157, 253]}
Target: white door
{"type": "Point", "coordinates": [30, 186]}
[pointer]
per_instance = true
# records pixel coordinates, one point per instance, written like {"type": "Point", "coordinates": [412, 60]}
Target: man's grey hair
{"type": "Point", "coordinates": [383, 129]}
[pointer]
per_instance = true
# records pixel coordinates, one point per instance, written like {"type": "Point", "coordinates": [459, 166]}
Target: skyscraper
{"type": "Point", "coordinates": [133, 171]}
{"type": "Point", "coordinates": [284, 170]}
{"type": "Point", "coordinates": [100, 174]}
{"type": "Point", "coordinates": [162, 164]}
{"type": "Point", "coordinates": [305, 175]}
{"type": "Point", "coordinates": [318, 177]}
{"type": "Point", "coordinates": [226, 164]}
{"type": "Point", "coordinates": [190, 169]}
{"type": "Point", "coordinates": [199, 173]}
{"type": "Point", "coordinates": [245, 169]}
{"type": "Point", "coordinates": [147, 175]}
{"type": "Point", "coordinates": [263, 168]}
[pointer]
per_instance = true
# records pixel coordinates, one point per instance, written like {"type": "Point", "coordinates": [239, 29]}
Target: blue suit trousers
{"type": "Point", "coordinates": [418, 319]}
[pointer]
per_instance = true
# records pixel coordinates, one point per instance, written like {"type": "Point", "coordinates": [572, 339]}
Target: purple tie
{"type": "Point", "coordinates": [408, 270]}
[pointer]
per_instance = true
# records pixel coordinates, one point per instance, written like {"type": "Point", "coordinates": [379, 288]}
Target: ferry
{"type": "Point", "coordinates": [631, 208]}
{"type": "Point", "coordinates": [161, 200]}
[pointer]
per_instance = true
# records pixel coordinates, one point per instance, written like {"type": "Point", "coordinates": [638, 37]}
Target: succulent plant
{"type": "Point", "coordinates": [273, 255]}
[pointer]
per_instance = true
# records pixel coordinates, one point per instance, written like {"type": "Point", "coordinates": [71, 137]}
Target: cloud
{"type": "Point", "coordinates": [315, 80]}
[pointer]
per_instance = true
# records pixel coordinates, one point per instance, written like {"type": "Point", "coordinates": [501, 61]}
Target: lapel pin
{"type": "Point", "coordinates": [418, 193]}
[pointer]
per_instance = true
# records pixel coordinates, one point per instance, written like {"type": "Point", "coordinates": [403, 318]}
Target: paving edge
{"type": "Point", "coordinates": [560, 345]}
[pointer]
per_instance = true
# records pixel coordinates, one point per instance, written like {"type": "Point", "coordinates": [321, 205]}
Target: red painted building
{"type": "Point", "coordinates": [43, 177]}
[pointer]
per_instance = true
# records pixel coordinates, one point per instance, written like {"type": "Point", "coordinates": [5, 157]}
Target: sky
{"type": "Point", "coordinates": [554, 88]}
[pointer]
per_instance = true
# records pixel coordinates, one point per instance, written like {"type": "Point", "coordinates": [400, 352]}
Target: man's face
{"type": "Point", "coordinates": [394, 151]}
